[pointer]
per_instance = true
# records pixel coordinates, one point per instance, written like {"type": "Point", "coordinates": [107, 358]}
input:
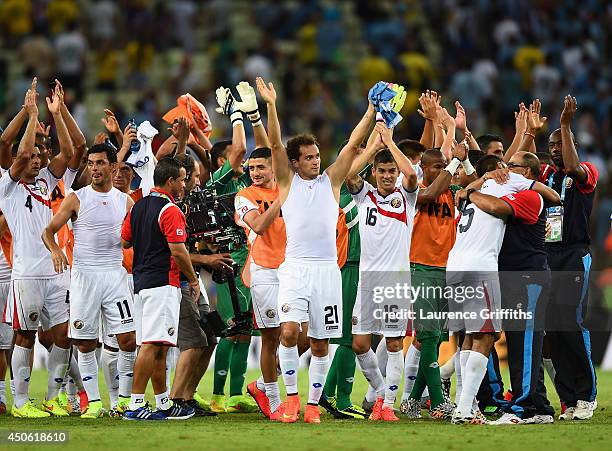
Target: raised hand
{"type": "Point", "coordinates": [100, 138]}
{"type": "Point", "coordinates": [225, 100]}
{"type": "Point", "coordinates": [386, 134]}
{"type": "Point", "coordinates": [520, 119]}
{"type": "Point", "coordinates": [42, 130]}
{"type": "Point", "coordinates": [129, 135]}
{"type": "Point", "coordinates": [59, 89]}
{"type": "Point", "coordinates": [534, 121]}
{"type": "Point", "coordinates": [54, 103]}
{"type": "Point", "coordinates": [248, 99]}
{"type": "Point", "coordinates": [460, 118]}
{"type": "Point", "coordinates": [182, 129]}
{"type": "Point", "coordinates": [446, 119]}
{"type": "Point", "coordinates": [29, 103]}
{"type": "Point", "coordinates": [267, 92]}
{"type": "Point", "coordinates": [569, 110]}
{"type": "Point", "coordinates": [460, 150]}
{"type": "Point", "coordinates": [428, 106]}
{"type": "Point", "coordinates": [110, 122]}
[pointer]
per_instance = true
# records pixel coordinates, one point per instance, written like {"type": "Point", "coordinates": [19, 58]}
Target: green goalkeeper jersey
{"type": "Point", "coordinates": [224, 182]}
{"type": "Point", "coordinates": [350, 209]}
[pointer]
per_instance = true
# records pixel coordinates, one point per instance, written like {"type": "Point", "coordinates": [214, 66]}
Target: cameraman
{"type": "Point", "coordinates": [155, 227]}
{"type": "Point", "coordinates": [196, 345]}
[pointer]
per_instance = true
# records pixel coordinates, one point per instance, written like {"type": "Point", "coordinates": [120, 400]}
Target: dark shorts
{"type": "Point", "coordinates": [430, 305]}
{"type": "Point", "coordinates": [350, 280]}
{"type": "Point", "coordinates": [190, 334]}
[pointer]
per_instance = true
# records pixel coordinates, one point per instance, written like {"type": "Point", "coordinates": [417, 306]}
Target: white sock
{"type": "Point", "coordinates": [371, 395]}
{"type": "Point", "coordinates": [71, 390]}
{"type": "Point", "coordinates": [3, 391]}
{"type": "Point", "coordinates": [125, 369]}
{"type": "Point", "coordinates": [73, 370]}
{"type": "Point", "coordinates": [20, 363]}
{"type": "Point", "coordinates": [88, 365]}
{"type": "Point", "coordinates": [136, 401]}
{"type": "Point", "coordinates": [162, 401]}
{"type": "Point", "coordinates": [425, 393]}
{"type": "Point", "coordinates": [395, 363]}
{"type": "Point", "coordinates": [108, 362]}
{"type": "Point", "coordinates": [317, 372]}
{"type": "Point", "coordinates": [447, 370]}
{"type": "Point", "coordinates": [369, 367]}
{"type": "Point", "coordinates": [57, 367]}
{"type": "Point", "coordinates": [261, 385]}
{"type": "Point", "coordinates": [13, 387]}
{"type": "Point", "coordinates": [411, 368]}
{"type": "Point", "coordinates": [458, 375]}
{"type": "Point", "coordinates": [472, 374]}
{"type": "Point", "coordinates": [550, 369]}
{"type": "Point", "coordinates": [289, 360]}
{"type": "Point", "coordinates": [273, 393]}
{"type": "Point", "coordinates": [381, 357]}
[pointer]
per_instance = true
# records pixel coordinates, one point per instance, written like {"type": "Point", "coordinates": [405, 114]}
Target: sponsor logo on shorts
{"type": "Point", "coordinates": [270, 313]}
{"type": "Point", "coordinates": [127, 321]}
{"type": "Point", "coordinates": [434, 365]}
{"type": "Point", "coordinates": [568, 182]}
{"type": "Point", "coordinates": [285, 308]}
{"type": "Point", "coordinates": [317, 385]}
{"type": "Point", "coordinates": [78, 324]}
{"type": "Point", "coordinates": [331, 327]}
{"type": "Point", "coordinates": [396, 203]}
{"type": "Point", "coordinates": [33, 316]}
{"type": "Point", "coordinates": [354, 320]}
{"type": "Point", "coordinates": [393, 387]}
{"type": "Point", "coordinates": [289, 372]}
{"type": "Point", "coordinates": [171, 331]}
{"type": "Point", "coordinates": [221, 372]}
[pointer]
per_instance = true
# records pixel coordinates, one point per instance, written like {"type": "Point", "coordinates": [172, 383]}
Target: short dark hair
{"type": "Point", "coordinates": [431, 154]}
{"type": "Point", "coordinates": [261, 152]}
{"type": "Point", "coordinates": [384, 156]}
{"type": "Point", "coordinates": [218, 150]}
{"type": "Point", "coordinates": [532, 162]}
{"type": "Point", "coordinates": [486, 139]}
{"type": "Point", "coordinates": [295, 143]}
{"type": "Point", "coordinates": [186, 162]}
{"type": "Point", "coordinates": [168, 167]}
{"type": "Point", "coordinates": [110, 152]}
{"type": "Point", "coordinates": [475, 155]}
{"type": "Point", "coordinates": [486, 164]}
{"type": "Point", "coordinates": [544, 158]}
{"type": "Point", "coordinates": [411, 148]}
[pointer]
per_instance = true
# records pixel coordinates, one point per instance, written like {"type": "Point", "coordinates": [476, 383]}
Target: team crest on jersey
{"type": "Point", "coordinates": [568, 182]}
{"type": "Point", "coordinates": [43, 189]}
{"type": "Point", "coordinates": [33, 316]}
{"type": "Point", "coordinates": [396, 202]}
{"type": "Point", "coordinates": [285, 308]}
{"type": "Point", "coordinates": [171, 331]}
{"type": "Point", "coordinates": [270, 313]}
{"type": "Point", "coordinates": [78, 324]}
{"type": "Point", "coordinates": [354, 320]}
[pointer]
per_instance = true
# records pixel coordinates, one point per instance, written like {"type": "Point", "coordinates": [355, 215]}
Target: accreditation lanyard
{"type": "Point", "coordinates": [162, 195]}
{"type": "Point", "coordinates": [554, 217]}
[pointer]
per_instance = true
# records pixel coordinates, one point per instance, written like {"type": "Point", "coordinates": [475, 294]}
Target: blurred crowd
{"type": "Point", "coordinates": [138, 56]}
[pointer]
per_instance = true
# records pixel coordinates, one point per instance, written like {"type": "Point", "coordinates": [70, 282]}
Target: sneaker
{"type": "Point", "coordinates": [442, 411]}
{"type": "Point", "coordinates": [204, 405]}
{"type": "Point", "coordinates": [277, 415]}
{"type": "Point", "coordinates": [446, 388]}
{"type": "Point", "coordinates": [144, 413]}
{"type": "Point", "coordinates": [351, 411]}
{"type": "Point", "coordinates": [328, 404]}
{"type": "Point", "coordinates": [312, 414]}
{"type": "Point", "coordinates": [199, 412]}
{"type": "Point", "coordinates": [123, 405]}
{"type": "Point", "coordinates": [376, 414]}
{"type": "Point", "coordinates": [63, 399]}
{"type": "Point", "coordinates": [217, 404]}
{"type": "Point", "coordinates": [508, 418]}
{"type": "Point", "coordinates": [291, 410]}
{"type": "Point", "coordinates": [367, 406]}
{"type": "Point", "coordinates": [72, 407]}
{"type": "Point", "coordinates": [411, 408]}
{"type": "Point", "coordinates": [387, 414]}
{"type": "Point", "coordinates": [54, 408]}
{"type": "Point", "coordinates": [83, 400]}
{"type": "Point", "coordinates": [474, 418]}
{"type": "Point", "coordinates": [94, 410]}
{"type": "Point", "coordinates": [114, 413]}
{"type": "Point", "coordinates": [178, 410]}
{"type": "Point", "coordinates": [29, 410]}
{"type": "Point", "coordinates": [540, 419]}
{"type": "Point", "coordinates": [2, 408]}
{"type": "Point", "coordinates": [493, 411]}
{"type": "Point", "coordinates": [241, 404]}
{"type": "Point", "coordinates": [583, 410]}
{"type": "Point", "coordinates": [260, 398]}
{"type": "Point", "coordinates": [568, 415]}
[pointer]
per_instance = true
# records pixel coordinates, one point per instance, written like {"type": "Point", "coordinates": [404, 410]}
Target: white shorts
{"type": "Point", "coordinates": [157, 313]}
{"type": "Point", "coordinates": [478, 311]}
{"type": "Point", "coordinates": [388, 318]}
{"type": "Point", "coordinates": [264, 294]}
{"type": "Point", "coordinates": [6, 331]}
{"type": "Point", "coordinates": [38, 301]}
{"type": "Point", "coordinates": [93, 295]}
{"type": "Point", "coordinates": [311, 292]}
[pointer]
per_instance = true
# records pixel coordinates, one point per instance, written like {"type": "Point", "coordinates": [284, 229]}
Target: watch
{"type": "Point", "coordinates": [469, 192]}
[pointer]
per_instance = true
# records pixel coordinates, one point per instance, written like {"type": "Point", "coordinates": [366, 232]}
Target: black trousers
{"type": "Point", "coordinates": [569, 339]}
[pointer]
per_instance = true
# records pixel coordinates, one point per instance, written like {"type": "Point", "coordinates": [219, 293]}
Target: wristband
{"type": "Point", "coordinates": [469, 193]}
{"type": "Point", "coordinates": [379, 117]}
{"type": "Point", "coordinates": [453, 165]}
{"type": "Point", "coordinates": [467, 166]}
{"type": "Point", "coordinates": [255, 118]}
{"type": "Point", "coordinates": [530, 134]}
{"type": "Point", "coordinates": [236, 118]}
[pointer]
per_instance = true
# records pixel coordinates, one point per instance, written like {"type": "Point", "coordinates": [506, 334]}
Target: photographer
{"type": "Point", "coordinates": [196, 345]}
{"type": "Point", "coordinates": [156, 229]}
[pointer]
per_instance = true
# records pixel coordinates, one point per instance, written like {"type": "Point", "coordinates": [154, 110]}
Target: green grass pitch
{"type": "Point", "coordinates": [253, 432]}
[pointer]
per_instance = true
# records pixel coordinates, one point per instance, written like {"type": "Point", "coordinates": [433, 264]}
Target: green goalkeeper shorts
{"type": "Point", "coordinates": [350, 279]}
{"type": "Point", "coordinates": [430, 283]}
{"type": "Point", "coordinates": [224, 301]}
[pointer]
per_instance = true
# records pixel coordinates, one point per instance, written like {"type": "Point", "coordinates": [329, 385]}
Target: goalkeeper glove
{"type": "Point", "coordinates": [397, 102]}
{"type": "Point", "coordinates": [248, 103]}
{"type": "Point", "coordinates": [227, 105]}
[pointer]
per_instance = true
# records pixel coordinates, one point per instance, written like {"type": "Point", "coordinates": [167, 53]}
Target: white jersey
{"type": "Point", "coordinates": [479, 234]}
{"type": "Point", "coordinates": [27, 207]}
{"type": "Point", "coordinates": [311, 213]}
{"type": "Point", "coordinates": [5, 269]}
{"type": "Point", "coordinates": [97, 229]}
{"type": "Point", "coordinates": [385, 228]}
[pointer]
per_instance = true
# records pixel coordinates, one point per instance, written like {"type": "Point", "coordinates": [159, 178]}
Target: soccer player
{"type": "Point", "coordinates": [38, 293]}
{"type": "Point", "coordinates": [155, 227]}
{"type": "Point", "coordinates": [97, 212]}
{"type": "Point", "coordinates": [385, 229]}
{"type": "Point", "coordinates": [258, 211]}
{"type": "Point", "coordinates": [569, 258]}
{"type": "Point", "coordinates": [310, 283]}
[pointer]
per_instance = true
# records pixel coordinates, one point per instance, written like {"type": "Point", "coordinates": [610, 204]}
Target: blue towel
{"type": "Point", "coordinates": [380, 95]}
